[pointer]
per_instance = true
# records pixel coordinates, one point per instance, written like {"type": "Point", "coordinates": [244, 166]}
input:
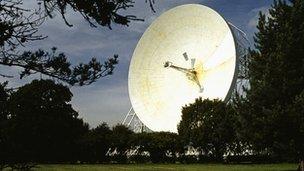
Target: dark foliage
{"type": "Point", "coordinates": [209, 126]}
{"type": "Point", "coordinates": [295, 114]}
{"type": "Point", "coordinates": [120, 143]}
{"type": "Point", "coordinates": [57, 66]}
{"type": "Point", "coordinates": [42, 125]}
{"type": "Point", "coordinates": [4, 96]}
{"type": "Point", "coordinates": [101, 12]}
{"type": "Point", "coordinates": [269, 115]}
{"type": "Point", "coordinates": [161, 146]}
{"type": "Point", "coordinates": [18, 25]}
{"type": "Point", "coordinates": [95, 144]}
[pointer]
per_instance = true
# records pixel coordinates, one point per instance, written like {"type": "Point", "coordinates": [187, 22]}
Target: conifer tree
{"type": "Point", "coordinates": [276, 68]}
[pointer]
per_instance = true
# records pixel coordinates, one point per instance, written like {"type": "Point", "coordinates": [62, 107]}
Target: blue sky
{"type": "Point", "coordinates": [107, 100]}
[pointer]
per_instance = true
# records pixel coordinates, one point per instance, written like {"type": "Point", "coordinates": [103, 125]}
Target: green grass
{"type": "Point", "coordinates": [168, 167]}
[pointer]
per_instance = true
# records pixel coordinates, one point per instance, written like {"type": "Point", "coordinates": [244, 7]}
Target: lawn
{"type": "Point", "coordinates": [178, 167]}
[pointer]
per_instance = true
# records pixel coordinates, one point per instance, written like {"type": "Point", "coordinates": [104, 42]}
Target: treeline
{"type": "Point", "coordinates": [38, 125]}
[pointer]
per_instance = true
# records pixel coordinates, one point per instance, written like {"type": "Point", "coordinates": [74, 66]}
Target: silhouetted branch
{"type": "Point", "coordinates": [56, 66]}
{"type": "Point", "coordinates": [6, 76]}
{"type": "Point", "coordinates": [18, 25]}
{"type": "Point", "coordinates": [151, 4]}
{"type": "Point", "coordinates": [102, 12]}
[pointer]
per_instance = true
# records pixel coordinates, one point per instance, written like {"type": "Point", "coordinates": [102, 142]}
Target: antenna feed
{"type": "Point", "coordinates": [167, 64]}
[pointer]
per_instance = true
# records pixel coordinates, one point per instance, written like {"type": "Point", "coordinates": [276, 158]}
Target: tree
{"type": "Point", "coordinates": [96, 144]}
{"type": "Point", "coordinates": [4, 96]}
{"type": "Point", "coordinates": [295, 112]}
{"type": "Point", "coordinates": [276, 79]}
{"type": "Point", "coordinates": [208, 125]}
{"type": "Point", "coordinates": [43, 126]}
{"type": "Point", "coordinates": [162, 146]}
{"type": "Point", "coordinates": [19, 25]}
{"type": "Point", "coordinates": [121, 142]}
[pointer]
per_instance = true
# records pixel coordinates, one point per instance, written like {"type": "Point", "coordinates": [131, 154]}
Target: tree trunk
{"type": "Point", "coordinates": [301, 165]}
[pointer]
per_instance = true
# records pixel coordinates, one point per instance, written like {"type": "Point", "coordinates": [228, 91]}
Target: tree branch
{"type": "Point", "coordinates": [56, 66]}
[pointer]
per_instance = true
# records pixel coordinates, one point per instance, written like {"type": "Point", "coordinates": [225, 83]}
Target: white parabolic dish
{"type": "Point", "coordinates": [198, 47]}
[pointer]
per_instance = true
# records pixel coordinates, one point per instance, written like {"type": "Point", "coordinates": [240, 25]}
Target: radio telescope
{"type": "Point", "coordinates": [186, 53]}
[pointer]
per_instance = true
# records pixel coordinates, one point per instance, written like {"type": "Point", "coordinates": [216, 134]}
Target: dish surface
{"type": "Point", "coordinates": [186, 53]}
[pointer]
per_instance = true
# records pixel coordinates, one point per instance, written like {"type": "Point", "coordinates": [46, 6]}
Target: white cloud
{"type": "Point", "coordinates": [255, 16]}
